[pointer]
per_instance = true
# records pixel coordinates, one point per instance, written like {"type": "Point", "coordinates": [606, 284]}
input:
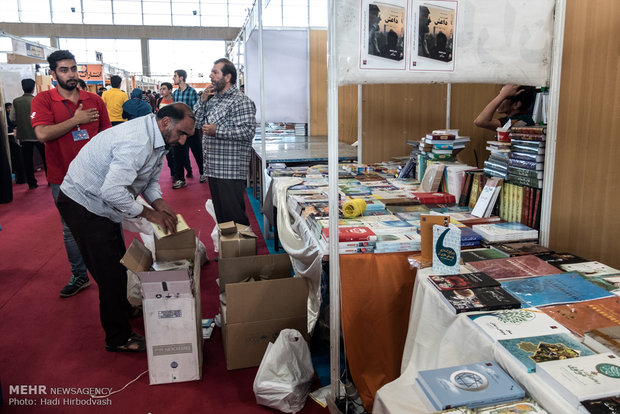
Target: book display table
{"type": "Point", "coordinates": [439, 338]}
{"type": "Point", "coordinates": [292, 150]}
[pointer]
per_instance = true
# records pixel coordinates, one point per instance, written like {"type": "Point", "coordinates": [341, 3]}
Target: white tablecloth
{"type": "Point", "coordinates": [438, 338]}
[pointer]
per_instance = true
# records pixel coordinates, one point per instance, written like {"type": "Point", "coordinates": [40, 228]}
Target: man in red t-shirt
{"type": "Point", "coordinates": [65, 119]}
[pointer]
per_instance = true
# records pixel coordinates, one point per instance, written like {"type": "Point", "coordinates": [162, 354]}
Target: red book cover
{"type": "Point", "coordinates": [525, 205]}
{"type": "Point", "coordinates": [352, 234]}
{"type": "Point", "coordinates": [513, 267]}
{"type": "Point", "coordinates": [434, 198]}
{"type": "Point", "coordinates": [535, 210]}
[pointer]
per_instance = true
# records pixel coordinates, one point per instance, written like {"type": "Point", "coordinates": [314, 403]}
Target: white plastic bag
{"type": "Point", "coordinates": [285, 374]}
{"type": "Point", "coordinates": [215, 235]}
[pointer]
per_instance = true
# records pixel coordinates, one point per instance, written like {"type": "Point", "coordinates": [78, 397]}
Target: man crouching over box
{"type": "Point", "coordinates": [100, 190]}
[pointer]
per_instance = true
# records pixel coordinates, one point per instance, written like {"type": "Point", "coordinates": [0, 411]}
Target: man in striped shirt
{"type": "Point", "coordinates": [189, 97]}
{"type": "Point", "coordinates": [227, 118]}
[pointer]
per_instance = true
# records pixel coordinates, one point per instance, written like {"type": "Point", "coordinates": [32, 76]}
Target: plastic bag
{"type": "Point", "coordinates": [215, 235]}
{"type": "Point", "coordinates": [285, 374]}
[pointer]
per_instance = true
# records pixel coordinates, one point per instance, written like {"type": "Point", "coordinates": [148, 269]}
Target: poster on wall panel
{"type": "Point", "coordinates": [383, 32]}
{"type": "Point", "coordinates": [434, 35]}
{"type": "Point", "coordinates": [434, 41]}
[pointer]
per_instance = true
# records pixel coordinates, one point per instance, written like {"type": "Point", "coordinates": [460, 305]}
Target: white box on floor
{"type": "Point", "coordinates": [172, 344]}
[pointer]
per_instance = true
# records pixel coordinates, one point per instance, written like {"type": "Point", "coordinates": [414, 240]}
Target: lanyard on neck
{"type": "Point", "coordinates": [71, 112]}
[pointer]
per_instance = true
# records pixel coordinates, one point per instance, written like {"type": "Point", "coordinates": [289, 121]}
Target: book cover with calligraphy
{"type": "Point", "coordinates": [446, 249]}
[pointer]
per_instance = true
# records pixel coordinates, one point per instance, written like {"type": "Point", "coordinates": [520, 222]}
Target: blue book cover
{"type": "Point", "coordinates": [532, 350]}
{"type": "Point", "coordinates": [471, 385]}
{"type": "Point", "coordinates": [554, 289]}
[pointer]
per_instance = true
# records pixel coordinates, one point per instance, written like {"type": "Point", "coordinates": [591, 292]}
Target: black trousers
{"type": "Point", "coordinates": [195, 145]}
{"type": "Point", "coordinates": [180, 153]}
{"type": "Point", "coordinates": [102, 246]}
{"type": "Point", "coordinates": [27, 151]}
{"type": "Point", "coordinates": [228, 200]}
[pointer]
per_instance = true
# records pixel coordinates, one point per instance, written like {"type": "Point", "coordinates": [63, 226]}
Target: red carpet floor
{"type": "Point", "coordinates": [49, 341]}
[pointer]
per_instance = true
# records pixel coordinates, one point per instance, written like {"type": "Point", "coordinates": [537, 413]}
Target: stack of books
{"type": "Point", "coordinates": [471, 385]}
{"type": "Point", "coordinates": [505, 232]}
{"type": "Point", "coordinates": [497, 164]}
{"type": "Point", "coordinates": [442, 144]}
{"type": "Point", "coordinates": [353, 239]}
{"type": "Point", "coordinates": [527, 156]}
{"type": "Point", "coordinates": [468, 292]}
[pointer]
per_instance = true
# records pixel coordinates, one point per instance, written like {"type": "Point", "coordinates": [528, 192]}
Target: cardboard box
{"type": "Point", "coordinates": [172, 313]}
{"type": "Point", "coordinates": [227, 228]}
{"type": "Point", "coordinates": [255, 312]}
{"type": "Point", "coordinates": [240, 243]}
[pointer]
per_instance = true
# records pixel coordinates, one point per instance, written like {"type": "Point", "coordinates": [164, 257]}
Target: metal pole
{"type": "Point", "coordinates": [448, 104]}
{"type": "Point", "coordinates": [359, 124]}
{"type": "Point", "coordinates": [332, 160]}
{"type": "Point", "coordinates": [552, 120]}
{"type": "Point", "coordinates": [262, 107]}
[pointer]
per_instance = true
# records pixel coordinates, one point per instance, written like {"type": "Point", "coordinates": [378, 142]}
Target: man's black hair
{"type": "Point", "coordinates": [181, 74]}
{"type": "Point", "coordinates": [57, 56]}
{"type": "Point", "coordinates": [167, 85]}
{"type": "Point", "coordinates": [115, 81]}
{"type": "Point", "coordinates": [526, 97]}
{"type": "Point", "coordinates": [176, 112]}
{"type": "Point", "coordinates": [28, 85]}
{"type": "Point", "coordinates": [228, 69]}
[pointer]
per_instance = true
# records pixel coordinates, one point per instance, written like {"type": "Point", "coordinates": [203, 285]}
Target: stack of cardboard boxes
{"type": "Point", "coordinates": [171, 307]}
{"type": "Point", "coordinates": [258, 297]}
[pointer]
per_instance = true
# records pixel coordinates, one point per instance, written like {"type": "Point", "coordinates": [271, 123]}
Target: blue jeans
{"type": "Point", "coordinates": [78, 268]}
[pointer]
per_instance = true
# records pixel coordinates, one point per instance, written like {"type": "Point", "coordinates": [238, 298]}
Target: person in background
{"type": "Point", "coordinates": [136, 107]}
{"type": "Point", "coordinates": [188, 96]}
{"type": "Point", "coordinates": [65, 119]}
{"type": "Point", "coordinates": [151, 97]}
{"type": "Point", "coordinates": [17, 161]}
{"type": "Point", "coordinates": [114, 99]}
{"type": "Point", "coordinates": [25, 134]}
{"type": "Point", "coordinates": [166, 99]}
{"type": "Point", "coordinates": [82, 85]}
{"type": "Point", "coordinates": [228, 124]}
{"type": "Point", "coordinates": [100, 91]}
{"type": "Point", "coordinates": [100, 190]}
{"type": "Point", "coordinates": [514, 101]}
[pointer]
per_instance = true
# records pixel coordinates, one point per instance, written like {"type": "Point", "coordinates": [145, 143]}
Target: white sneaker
{"type": "Point", "coordinates": [218, 320]}
{"type": "Point", "coordinates": [179, 184]}
{"type": "Point", "coordinates": [203, 178]}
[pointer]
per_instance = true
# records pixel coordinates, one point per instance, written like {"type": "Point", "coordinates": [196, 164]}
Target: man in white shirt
{"type": "Point", "coordinates": [100, 190]}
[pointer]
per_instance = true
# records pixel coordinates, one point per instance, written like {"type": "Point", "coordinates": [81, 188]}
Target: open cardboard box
{"type": "Point", "coordinates": [172, 311]}
{"type": "Point", "coordinates": [255, 312]}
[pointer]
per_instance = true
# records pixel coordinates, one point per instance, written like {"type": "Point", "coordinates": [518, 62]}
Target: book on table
{"type": "Point", "coordinates": [590, 269]}
{"type": "Point", "coordinates": [522, 249]}
{"type": "Point", "coordinates": [516, 323]}
{"type": "Point", "coordinates": [525, 406]}
{"type": "Point", "coordinates": [483, 253]}
{"type": "Point", "coordinates": [505, 232]}
{"type": "Point", "coordinates": [471, 385]}
{"type": "Point", "coordinates": [559, 258]}
{"type": "Point", "coordinates": [351, 234]}
{"type": "Point", "coordinates": [513, 267]}
{"type": "Point", "coordinates": [554, 289]}
{"type": "Point", "coordinates": [580, 317]}
{"type": "Point", "coordinates": [479, 299]}
{"type": "Point", "coordinates": [584, 378]}
{"type": "Point", "coordinates": [533, 350]}
{"type": "Point", "coordinates": [608, 337]}
{"type": "Point", "coordinates": [609, 405]}
{"type": "Point", "coordinates": [462, 281]}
